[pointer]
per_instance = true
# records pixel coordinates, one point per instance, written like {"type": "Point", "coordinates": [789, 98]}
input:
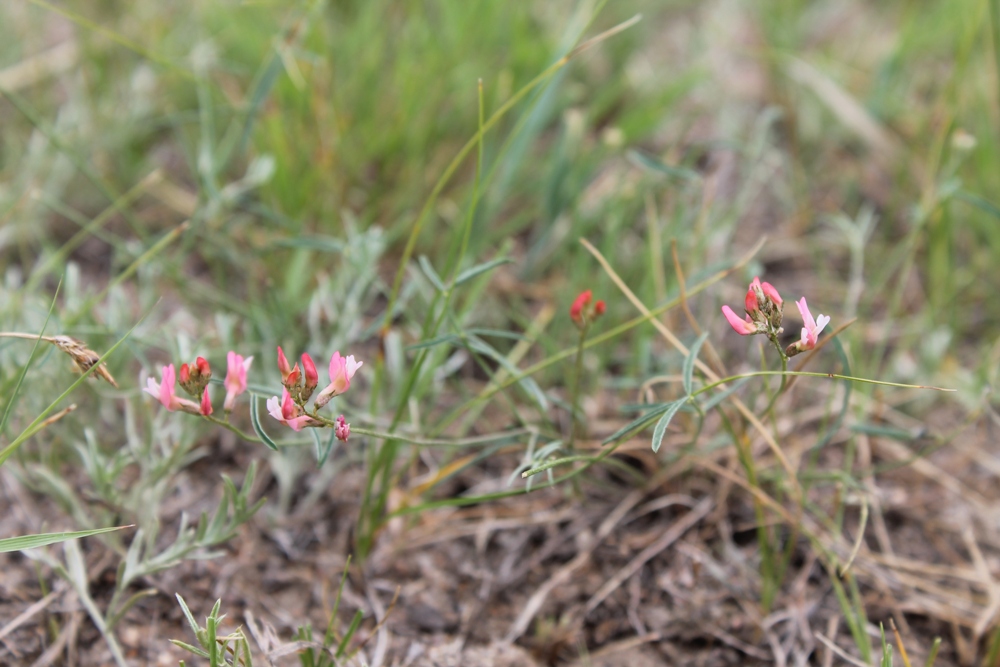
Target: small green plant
{"type": "Point", "coordinates": [232, 650]}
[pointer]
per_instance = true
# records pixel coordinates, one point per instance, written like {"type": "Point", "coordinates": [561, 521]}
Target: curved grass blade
{"type": "Point", "coordinates": [637, 423]}
{"type": "Point", "coordinates": [44, 539]}
{"type": "Point", "coordinates": [257, 428]}
{"type": "Point", "coordinates": [474, 271]}
{"type": "Point", "coordinates": [425, 265]}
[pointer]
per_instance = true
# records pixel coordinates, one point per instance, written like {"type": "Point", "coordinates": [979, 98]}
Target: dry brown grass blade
{"type": "Point", "coordinates": [988, 617]}
{"type": "Point", "coordinates": [66, 638]}
{"type": "Point", "coordinates": [839, 651]}
{"type": "Point", "coordinates": [534, 604]}
{"type": "Point", "coordinates": [83, 357]}
{"type": "Point", "coordinates": [30, 612]}
{"type": "Point", "coordinates": [58, 59]}
{"type": "Point", "coordinates": [676, 530]}
{"type": "Point", "coordinates": [850, 111]}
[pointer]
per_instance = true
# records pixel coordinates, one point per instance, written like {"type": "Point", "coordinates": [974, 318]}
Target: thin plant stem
{"type": "Point", "coordinates": [575, 400]}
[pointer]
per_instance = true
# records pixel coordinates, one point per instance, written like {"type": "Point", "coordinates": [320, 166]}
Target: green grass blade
{"type": "Point", "coordinates": [355, 622]}
{"type": "Point", "coordinates": [432, 275]}
{"type": "Point", "coordinates": [43, 539]}
{"type": "Point", "coordinates": [257, 428]}
{"type": "Point", "coordinates": [12, 399]}
{"type": "Point", "coordinates": [478, 269]}
{"type": "Point", "coordinates": [688, 368]}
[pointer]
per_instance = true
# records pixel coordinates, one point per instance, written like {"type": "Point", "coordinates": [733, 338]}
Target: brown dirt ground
{"type": "Point", "coordinates": [659, 573]}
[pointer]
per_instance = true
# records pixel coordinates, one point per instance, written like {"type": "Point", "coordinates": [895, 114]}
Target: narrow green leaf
{"type": "Point", "coordinates": [43, 539]}
{"type": "Point", "coordinates": [355, 622]}
{"type": "Point", "coordinates": [258, 429]}
{"type": "Point", "coordinates": [723, 395]}
{"type": "Point", "coordinates": [201, 653]}
{"type": "Point", "coordinates": [318, 243]}
{"type": "Point", "coordinates": [322, 450]}
{"type": "Point", "coordinates": [548, 465]}
{"type": "Point", "coordinates": [979, 202]}
{"type": "Point", "coordinates": [661, 426]}
{"type": "Point", "coordinates": [651, 163]}
{"type": "Point", "coordinates": [932, 656]}
{"type": "Point", "coordinates": [637, 423]}
{"type": "Point", "coordinates": [497, 333]}
{"type": "Point", "coordinates": [474, 271]}
{"type": "Point", "coordinates": [433, 342]}
{"type": "Point", "coordinates": [425, 265]}
{"type": "Point", "coordinates": [689, 363]}
{"type": "Point", "coordinates": [195, 628]}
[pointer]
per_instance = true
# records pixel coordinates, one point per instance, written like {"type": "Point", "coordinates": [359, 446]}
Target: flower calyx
{"type": "Point", "coordinates": [194, 377]}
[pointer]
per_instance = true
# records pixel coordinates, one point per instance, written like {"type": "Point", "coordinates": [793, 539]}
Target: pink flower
{"type": "Point", "coordinates": [743, 327]}
{"type": "Point", "coordinates": [287, 412]}
{"type": "Point", "coordinates": [164, 392]}
{"type": "Point", "coordinates": [236, 378]}
{"type": "Point", "coordinates": [342, 430]}
{"type": "Point", "coordinates": [342, 369]}
{"type": "Point", "coordinates": [206, 404]}
{"type": "Point", "coordinates": [812, 328]}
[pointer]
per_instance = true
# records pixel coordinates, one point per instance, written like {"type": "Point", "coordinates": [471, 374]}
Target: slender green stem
{"type": "Point", "coordinates": [575, 390]}
{"type": "Point", "coordinates": [575, 402]}
{"type": "Point", "coordinates": [226, 425]}
{"type": "Point", "coordinates": [830, 376]}
{"type": "Point", "coordinates": [781, 387]}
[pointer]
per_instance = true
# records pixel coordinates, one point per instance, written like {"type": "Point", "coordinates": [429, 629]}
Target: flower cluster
{"type": "Point", "coordinates": [299, 386]}
{"type": "Point", "coordinates": [582, 312]}
{"type": "Point", "coordinates": [194, 378]}
{"type": "Point", "coordinates": [763, 306]}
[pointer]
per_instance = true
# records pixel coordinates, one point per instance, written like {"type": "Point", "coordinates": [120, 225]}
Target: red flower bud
{"type": "Point", "coordinates": [599, 308]}
{"type": "Point", "coordinates": [581, 301]}
{"type": "Point", "coordinates": [185, 374]}
{"type": "Point", "coordinates": [283, 365]}
{"type": "Point", "coordinates": [206, 403]}
{"type": "Point", "coordinates": [203, 367]}
{"type": "Point", "coordinates": [312, 377]}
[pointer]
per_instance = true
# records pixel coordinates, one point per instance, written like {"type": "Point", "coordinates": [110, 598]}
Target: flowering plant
{"type": "Point", "coordinates": [290, 409]}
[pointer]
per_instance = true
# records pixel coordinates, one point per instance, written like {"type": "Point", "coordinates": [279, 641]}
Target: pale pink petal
{"type": "Point", "coordinates": [352, 366]}
{"type": "Point", "coordinates": [821, 322]}
{"type": "Point", "coordinates": [274, 408]}
{"type": "Point", "coordinates": [167, 397]}
{"type": "Point", "coordinates": [807, 317]}
{"type": "Point", "coordinates": [152, 388]}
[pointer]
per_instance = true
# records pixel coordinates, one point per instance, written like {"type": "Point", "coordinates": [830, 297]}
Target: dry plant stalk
{"type": "Point", "coordinates": [83, 357]}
